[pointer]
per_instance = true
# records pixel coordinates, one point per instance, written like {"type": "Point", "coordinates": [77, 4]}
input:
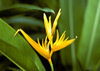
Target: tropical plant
{"type": "Point", "coordinates": [79, 18]}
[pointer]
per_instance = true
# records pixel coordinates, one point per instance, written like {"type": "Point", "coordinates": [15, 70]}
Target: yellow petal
{"type": "Point", "coordinates": [55, 21]}
{"type": "Point", "coordinates": [57, 36]}
{"type": "Point", "coordinates": [36, 46]}
{"type": "Point", "coordinates": [45, 19]}
{"type": "Point", "coordinates": [50, 21]}
{"type": "Point", "coordinates": [49, 34]}
{"type": "Point", "coordinates": [42, 43]}
{"type": "Point", "coordinates": [61, 45]}
{"type": "Point", "coordinates": [63, 36]}
{"type": "Point", "coordinates": [47, 47]}
{"type": "Point", "coordinates": [66, 39]}
{"type": "Point", "coordinates": [48, 26]}
{"type": "Point", "coordinates": [45, 41]}
{"type": "Point", "coordinates": [39, 42]}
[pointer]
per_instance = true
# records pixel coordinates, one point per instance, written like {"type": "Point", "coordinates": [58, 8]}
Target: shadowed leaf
{"type": "Point", "coordinates": [22, 8]}
{"type": "Point", "coordinates": [17, 50]}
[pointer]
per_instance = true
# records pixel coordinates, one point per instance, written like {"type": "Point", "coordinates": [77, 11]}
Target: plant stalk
{"type": "Point", "coordinates": [51, 65]}
{"type": "Point", "coordinates": [52, 68]}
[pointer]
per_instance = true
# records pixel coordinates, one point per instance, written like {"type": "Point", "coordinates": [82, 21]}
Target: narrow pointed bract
{"type": "Point", "coordinates": [47, 25]}
{"type": "Point", "coordinates": [43, 52]}
{"type": "Point", "coordinates": [55, 22]}
{"type": "Point", "coordinates": [61, 42]}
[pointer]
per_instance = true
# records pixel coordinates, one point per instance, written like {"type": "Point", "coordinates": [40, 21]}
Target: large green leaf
{"type": "Point", "coordinates": [22, 8]}
{"type": "Point", "coordinates": [71, 20]}
{"type": "Point", "coordinates": [17, 50]}
{"type": "Point", "coordinates": [89, 51]}
{"type": "Point", "coordinates": [64, 26]}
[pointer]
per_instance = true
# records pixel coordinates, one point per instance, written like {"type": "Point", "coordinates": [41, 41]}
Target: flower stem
{"type": "Point", "coordinates": [52, 68]}
{"type": "Point", "coordinates": [51, 65]}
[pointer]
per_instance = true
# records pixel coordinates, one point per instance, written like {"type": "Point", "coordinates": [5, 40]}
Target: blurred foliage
{"type": "Point", "coordinates": [88, 51]}
{"type": "Point", "coordinates": [79, 18]}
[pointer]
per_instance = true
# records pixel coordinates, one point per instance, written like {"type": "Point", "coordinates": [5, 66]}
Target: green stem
{"type": "Point", "coordinates": [52, 68]}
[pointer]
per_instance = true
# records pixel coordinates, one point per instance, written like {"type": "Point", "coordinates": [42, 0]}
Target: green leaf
{"type": "Point", "coordinates": [23, 8]}
{"type": "Point", "coordinates": [97, 66]}
{"type": "Point", "coordinates": [25, 21]}
{"type": "Point", "coordinates": [64, 26]}
{"type": "Point", "coordinates": [88, 51]}
{"type": "Point", "coordinates": [71, 20]}
{"type": "Point", "coordinates": [17, 50]}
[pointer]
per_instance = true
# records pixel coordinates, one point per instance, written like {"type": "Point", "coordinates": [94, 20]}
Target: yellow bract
{"type": "Point", "coordinates": [55, 22]}
{"type": "Point", "coordinates": [60, 42]}
{"type": "Point", "coordinates": [48, 26]}
{"type": "Point", "coordinates": [51, 30]}
{"type": "Point", "coordinates": [43, 49]}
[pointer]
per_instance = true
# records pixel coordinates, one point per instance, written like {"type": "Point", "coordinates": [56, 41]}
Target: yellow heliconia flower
{"type": "Point", "coordinates": [51, 30]}
{"type": "Point", "coordinates": [43, 49]}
